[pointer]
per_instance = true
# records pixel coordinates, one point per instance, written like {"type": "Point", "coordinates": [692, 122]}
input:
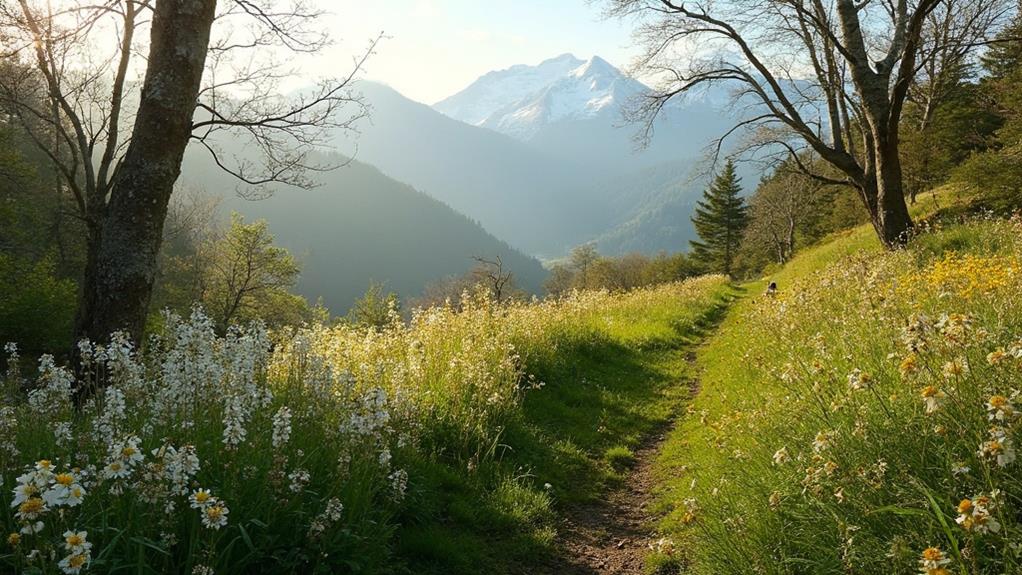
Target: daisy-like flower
{"type": "Point", "coordinates": [975, 515]}
{"type": "Point", "coordinates": [999, 447]}
{"type": "Point", "coordinates": [25, 489]}
{"type": "Point", "coordinates": [31, 509]}
{"type": "Point", "coordinates": [116, 470]}
{"type": "Point", "coordinates": [13, 539]}
{"type": "Point", "coordinates": [75, 542]}
{"type": "Point", "coordinates": [781, 456]}
{"type": "Point", "coordinates": [909, 365]}
{"type": "Point", "coordinates": [131, 454]}
{"type": "Point", "coordinates": [74, 563]}
{"type": "Point", "coordinates": [933, 397]}
{"type": "Point", "coordinates": [200, 498]}
{"type": "Point", "coordinates": [214, 515]}
{"type": "Point", "coordinates": [1000, 408]}
{"type": "Point", "coordinates": [859, 380]}
{"type": "Point", "coordinates": [65, 490]}
{"type": "Point", "coordinates": [955, 368]}
{"type": "Point", "coordinates": [997, 356]}
{"type": "Point", "coordinates": [75, 494]}
{"type": "Point", "coordinates": [822, 441]}
{"type": "Point", "coordinates": [932, 562]}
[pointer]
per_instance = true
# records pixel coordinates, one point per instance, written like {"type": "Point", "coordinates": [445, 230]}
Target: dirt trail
{"type": "Point", "coordinates": [613, 535]}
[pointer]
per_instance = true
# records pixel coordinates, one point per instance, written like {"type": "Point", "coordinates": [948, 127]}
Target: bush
{"type": "Point", "coordinates": [36, 307]}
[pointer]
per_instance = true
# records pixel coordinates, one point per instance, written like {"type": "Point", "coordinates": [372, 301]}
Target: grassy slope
{"type": "Point", "coordinates": [735, 367]}
{"type": "Point", "coordinates": [601, 396]}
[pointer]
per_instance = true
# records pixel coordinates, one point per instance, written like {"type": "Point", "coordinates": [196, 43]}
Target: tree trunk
{"type": "Point", "coordinates": [121, 265]}
{"type": "Point", "coordinates": [891, 218]}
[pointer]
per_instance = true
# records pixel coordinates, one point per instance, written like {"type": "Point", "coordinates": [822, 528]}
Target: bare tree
{"type": "Point", "coordinates": [950, 35]}
{"type": "Point", "coordinates": [117, 143]}
{"type": "Point", "coordinates": [828, 75]}
{"type": "Point", "coordinates": [492, 274]}
{"type": "Point", "coordinates": [778, 209]}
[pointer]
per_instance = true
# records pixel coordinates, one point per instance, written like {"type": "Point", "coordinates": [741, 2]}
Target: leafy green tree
{"type": "Point", "coordinates": [720, 220]}
{"type": "Point", "coordinates": [997, 171]}
{"type": "Point", "coordinates": [247, 277]}
{"type": "Point", "coordinates": [376, 308]}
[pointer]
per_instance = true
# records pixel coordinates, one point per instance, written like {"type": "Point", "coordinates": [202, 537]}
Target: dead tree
{"type": "Point", "coordinates": [492, 274]}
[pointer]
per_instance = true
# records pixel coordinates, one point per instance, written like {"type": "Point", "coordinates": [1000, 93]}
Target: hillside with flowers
{"type": "Point", "coordinates": [864, 420]}
{"type": "Point", "coordinates": [438, 445]}
{"type": "Point", "coordinates": [861, 418]}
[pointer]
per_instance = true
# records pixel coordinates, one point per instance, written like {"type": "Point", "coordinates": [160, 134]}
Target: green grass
{"type": "Point", "coordinates": [611, 381]}
{"type": "Point", "coordinates": [448, 444]}
{"type": "Point", "coordinates": [882, 488]}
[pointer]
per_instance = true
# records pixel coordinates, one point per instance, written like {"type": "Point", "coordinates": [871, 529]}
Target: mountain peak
{"type": "Point", "coordinates": [567, 57]}
{"type": "Point", "coordinates": [595, 65]}
{"type": "Point", "coordinates": [520, 100]}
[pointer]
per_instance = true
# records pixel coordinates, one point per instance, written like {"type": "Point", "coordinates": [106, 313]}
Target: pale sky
{"type": "Point", "coordinates": [437, 47]}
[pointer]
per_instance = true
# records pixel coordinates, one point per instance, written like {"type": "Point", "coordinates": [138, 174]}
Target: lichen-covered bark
{"type": "Point", "coordinates": [122, 260]}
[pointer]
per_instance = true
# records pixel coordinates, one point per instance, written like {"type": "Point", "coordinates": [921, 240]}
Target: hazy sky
{"type": "Point", "coordinates": [437, 47]}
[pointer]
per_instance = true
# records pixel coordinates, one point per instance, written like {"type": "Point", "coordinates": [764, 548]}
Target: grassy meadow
{"type": "Point", "coordinates": [444, 444]}
{"type": "Point", "coordinates": [862, 420]}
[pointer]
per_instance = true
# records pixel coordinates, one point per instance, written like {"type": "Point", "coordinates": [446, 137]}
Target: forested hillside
{"type": "Point", "coordinates": [357, 226]}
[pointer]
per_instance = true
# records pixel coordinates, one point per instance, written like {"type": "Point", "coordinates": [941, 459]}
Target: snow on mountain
{"type": "Point", "coordinates": [521, 100]}
{"type": "Point", "coordinates": [498, 89]}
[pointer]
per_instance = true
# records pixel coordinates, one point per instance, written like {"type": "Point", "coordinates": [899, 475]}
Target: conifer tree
{"type": "Point", "coordinates": [720, 219]}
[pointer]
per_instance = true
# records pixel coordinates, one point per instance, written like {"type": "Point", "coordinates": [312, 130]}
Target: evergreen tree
{"type": "Point", "coordinates": [997, 172]}
{"type": "Point", "coordinates": [720, 220]}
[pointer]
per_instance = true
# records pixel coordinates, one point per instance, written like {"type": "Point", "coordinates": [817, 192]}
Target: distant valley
{"type": "Point", "coordinates": [527, 161]}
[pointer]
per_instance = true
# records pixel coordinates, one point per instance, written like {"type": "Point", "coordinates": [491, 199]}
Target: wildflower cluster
{"type": "Point", "coordinates": [209, 452]}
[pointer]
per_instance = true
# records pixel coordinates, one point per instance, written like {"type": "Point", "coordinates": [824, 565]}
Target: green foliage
{"type": "Point", "coordinates": [587, 269]}
{"type": "Point", "coordinates": [376, 308]}
{"type": "Point", "coordinates": [934, 142]}
{"type": "Point", "coordinates": [619, 457]}
{"type": "Point", "coordinates": [995, 172]}
{"type": "Point", "coordinates": [246, 277]}
{"type": "Point", "coordinates": [720, 220]}
{"type": "Point", "coordinates": [37, 308]}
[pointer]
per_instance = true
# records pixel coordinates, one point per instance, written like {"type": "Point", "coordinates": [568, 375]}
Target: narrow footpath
{"type": "Point", "coordinates": [614, 534]}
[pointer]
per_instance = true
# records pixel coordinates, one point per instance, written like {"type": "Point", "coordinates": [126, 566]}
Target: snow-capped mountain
{"type": "Point", "coordinates": [521, 100]}
{"type": "Point", "coordinates": [543, 158]}
{"type": "Point", "coordinates": [501, 88]}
